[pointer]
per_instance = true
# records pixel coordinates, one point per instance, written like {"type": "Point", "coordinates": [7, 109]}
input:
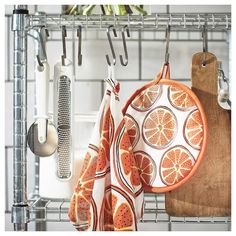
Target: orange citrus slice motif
{"type": "Point", "coordinates": [159, 127]}
{"type": "Point", "coordinates": [125, 167]}
{"type": "Point", "coordinates": [146, 166]}
{"type": "Point", "coordinates": [172, 128]}
{"type": "Point", "coordinates": [147, 98]}
{"type": "Point", "coordinates": [175, 165]}
{"type": "Point", "coordinates": [127, 161]}
{"type": "Point", "coordinates": [193, 129]}
{"type": "Point", "coordinates": [106, 131]}
{"type": "Point", "coordinates": [116, 213]}
{"type": "Point", "coordinates": [106, 217]}
{"type": "Point", "coordinates": [79, 210]}
{"type": "Point", "coordinates": [180, 99]}
{"type": "Point", "coordinates": [132, 129]}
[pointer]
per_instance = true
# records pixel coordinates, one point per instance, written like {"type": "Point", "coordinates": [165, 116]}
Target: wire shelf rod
{"type": "Point", "coordinates": [178, 21]}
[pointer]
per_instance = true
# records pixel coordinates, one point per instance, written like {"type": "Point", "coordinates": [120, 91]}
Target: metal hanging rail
{"type": "Point", "coordinates": [178, 22]}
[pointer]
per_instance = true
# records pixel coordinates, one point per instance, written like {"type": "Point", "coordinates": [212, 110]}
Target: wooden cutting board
{"type": "Point", "coordinates": [208, 192]}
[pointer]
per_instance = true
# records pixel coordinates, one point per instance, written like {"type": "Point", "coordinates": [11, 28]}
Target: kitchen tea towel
{"type": "Point", "coordinates": [109, 194]}
{"type": "Point", "coordinates": [168, 131]}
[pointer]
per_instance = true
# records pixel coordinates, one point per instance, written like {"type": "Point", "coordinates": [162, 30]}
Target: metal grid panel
{"type": "Point", "coordinates": [56, 210]}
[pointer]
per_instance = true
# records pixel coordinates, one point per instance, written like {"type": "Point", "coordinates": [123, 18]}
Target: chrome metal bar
{"type": "Point", "coordinates": [222, 40]}
{"type": "Point", "coordinates": [20, 212]}
{"type": "Point", "coordinates": [183, 21]}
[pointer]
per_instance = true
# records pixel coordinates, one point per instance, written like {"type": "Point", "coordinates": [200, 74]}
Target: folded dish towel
{"type": "Point", "coordinates": [109, 193]}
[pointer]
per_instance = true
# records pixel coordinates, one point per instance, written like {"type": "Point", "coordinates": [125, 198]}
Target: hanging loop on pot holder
{"type": "Point", "coordinates": [165, 70]}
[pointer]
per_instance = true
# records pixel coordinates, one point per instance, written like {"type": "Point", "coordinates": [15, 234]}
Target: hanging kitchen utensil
{"type": "Point", "coordinates": [223, 89]}
{"type": "Point", "coordinates": [208, 192]}
{"type": "Point", "coordinates": [63, 112]}
{"type": "Point", "coordinates": [58, 182]}
{"type": "Point", "coordinates": [109, 194]}
{"type": "Point", "coordinates": [42, 135]}
{"type": "Point", "coordinates": [168, 131]}
{"type": "Point", "coordinates": [62, 177]}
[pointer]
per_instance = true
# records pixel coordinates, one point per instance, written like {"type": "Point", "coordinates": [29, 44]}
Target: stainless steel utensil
{"type": "Point", "coordinates": [63, 117]}
{"type": "Point", "coordinates": [64, 128]}
{"type": "Point", "coordinates": [42, 135]}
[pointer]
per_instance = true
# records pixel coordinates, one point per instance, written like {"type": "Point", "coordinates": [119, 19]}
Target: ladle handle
{"type": "Point", "coordinates": [41, 83]}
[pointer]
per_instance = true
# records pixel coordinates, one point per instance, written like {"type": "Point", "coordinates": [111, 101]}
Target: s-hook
{"type": "Point", "coordinates": [111, 27]}
{"type": "Point", "coordinates": [167, 55]}
{"type": "Point", "coordinates": [42, 32]}
{"type": "Point", "coordinates": [205, 43]}
{"type": "Point", "coordinates": [125, 28]}
{"type": "Point", "coordinates": [79, 35]}
{"type": "Point", "coordinates": [64, 35]}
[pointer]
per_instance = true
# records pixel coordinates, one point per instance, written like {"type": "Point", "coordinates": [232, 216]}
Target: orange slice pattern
{"type": "Point", "coordinates": [146, 166]}
{"type": "Point", "coordinates": [126, 170]}
{"type": "Point", "coordinates": [193, 129]}
{"type": "Point", "coordinates": [159, 127]}
{"type": "Point", "coordinates": [123, 219]}
{"type": "Point", "coordinates": [116, 215]}
{"type": "Point", "coordinates": [127, 160]}
{"type": "Point", "coordinates": [106, 217]}
{"type": "Point", "coordinates": [147, 98]}
{"type": "Point", "coordinates": [180, 99]}
{"type": "Point", "coordinates": [79, 211]}
{"type": "Point", "coordinates": [107, 133]}
{"type": "Point", "coordinates": [132, 129]}
{"type": "Point", "coordinates": [175, 165]}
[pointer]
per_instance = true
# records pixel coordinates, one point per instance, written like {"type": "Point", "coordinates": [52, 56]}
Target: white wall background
{"type": "Point", "coordinates": [89, 94]}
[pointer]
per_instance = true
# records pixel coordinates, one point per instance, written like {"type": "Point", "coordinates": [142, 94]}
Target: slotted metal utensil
{"type": "Point", "coordinates": [63, 116]}
{"type": "Point", "coordinates": [64, 128]}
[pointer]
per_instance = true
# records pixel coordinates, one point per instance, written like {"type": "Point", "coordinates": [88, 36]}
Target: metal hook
{"type": "Point", "coordinates": [205, 43]}
{"type": "Point", "coordinates": [125, 28]}
{"type": "Point", "coordinates": [41, 33]}
{"type": "Point", "coordinates": [167, 55]}
{"type": "Point", "coordinates": [64, 35]}
{"type": "Point", "coordinates": [79, 35]}
{"type": "Point", "coordinates": [111, 27]}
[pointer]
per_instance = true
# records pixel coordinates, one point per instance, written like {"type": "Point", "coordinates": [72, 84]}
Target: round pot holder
{"type": "Point", "coordinates": [168, 131]}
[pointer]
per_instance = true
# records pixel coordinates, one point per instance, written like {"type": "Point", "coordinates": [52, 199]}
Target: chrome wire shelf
{"type": "Point", "coordinates": [56, 210]}
{"type": "Point", "coordinates": [43, 210]}
{"type": "Point", "coordinates": [178, 22]}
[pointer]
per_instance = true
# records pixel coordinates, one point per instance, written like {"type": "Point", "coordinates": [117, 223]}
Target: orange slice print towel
{"type": "Point", "coordinates": [109, 193]}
